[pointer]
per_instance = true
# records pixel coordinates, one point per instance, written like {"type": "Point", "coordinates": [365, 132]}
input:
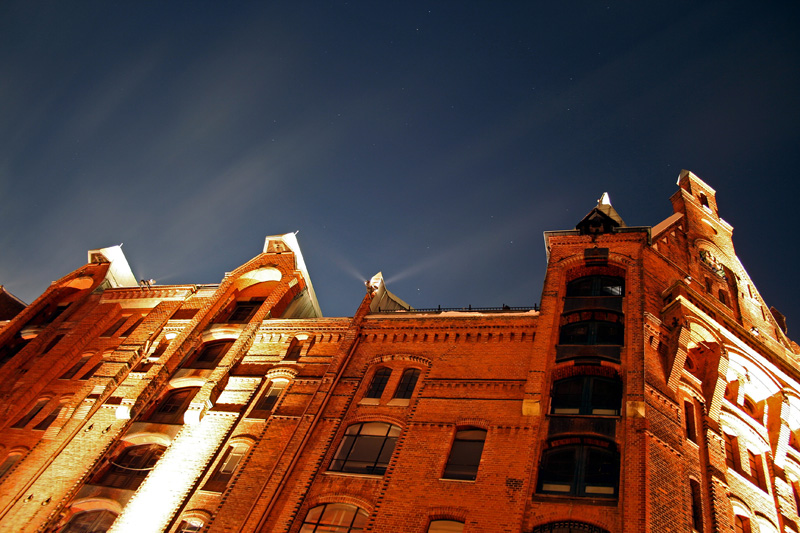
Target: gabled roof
{"type": "Point", "coordinates": [10, 305]}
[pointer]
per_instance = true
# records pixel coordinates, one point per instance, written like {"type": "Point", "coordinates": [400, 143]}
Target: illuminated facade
{"type": "Point", "coordinates": [652, 391]}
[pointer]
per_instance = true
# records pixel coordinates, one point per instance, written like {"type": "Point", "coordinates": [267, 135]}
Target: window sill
{"type": "Point", "coordinates": [457, 480]}
{"type": "Point", "coordinates": [399, 402]}
{"type": "Point", "coordinates": [370, 401]}
{"type": "Point", "coordinates": [550, 498]}
{"type": "Point", "coordinates": [352, 474]}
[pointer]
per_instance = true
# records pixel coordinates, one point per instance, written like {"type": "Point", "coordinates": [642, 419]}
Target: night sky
{"type": "Point", "coordinates": [433, 141]}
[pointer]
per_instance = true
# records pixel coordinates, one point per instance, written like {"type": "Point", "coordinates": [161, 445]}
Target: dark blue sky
{"type": "Point", "coordinates": [434, 141]}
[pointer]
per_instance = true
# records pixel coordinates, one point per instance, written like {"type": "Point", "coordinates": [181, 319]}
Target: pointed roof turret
{"type": "Point", "coordinates": [601, 219]}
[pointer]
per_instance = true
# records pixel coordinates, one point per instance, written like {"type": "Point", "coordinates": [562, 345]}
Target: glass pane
{"type": "Point", "coordinates": [606, 396]}
{"type": "Point", "coordinates": [601, 470]}
{"type": "Point", "coordinates": [378, 383]}
{"type": "Point", "coordinates": [558, 467]}
{"type": "Point", "coordinates": [567, 396]}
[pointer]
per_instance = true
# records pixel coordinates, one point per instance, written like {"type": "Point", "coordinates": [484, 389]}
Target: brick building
{"type": "Point", "coordinates": [652, 391]}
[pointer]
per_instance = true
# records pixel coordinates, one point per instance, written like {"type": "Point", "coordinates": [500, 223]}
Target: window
{"type": "Point", "coordinates": [731, 451]}
{"type": "Point", "coordinates": [588, 332]}
{"type": "Point", "coordinates": [366, 448]}
{"type": "Point", "coordinates": [334, 518]}
{"type": "Point", "coordinates": [446, 526]}
{"type": "Point", "coordinates": [723, 297]}
{"type": "Point", "coordinates": [596, 286]}
{"type": "Point", "coordinates": [407, 383]}
{"type": "Point", "coordinates": [568, 527]}
{"type": "Point", "coordinates": [757, 470]}
{"type": "Point", "coordinates": [171, 408]}
{"type": "Point", "coordinates": [55, 340]}
{"type": "Point", "coordinates": [587, 395]}
{"type": "Point", "coordinates": [227, 467]}
{"type": "Point", "coordinates": [22, 422]}
{"type": "Point", "coordinates": [295, 347]}
{"type": "Point", "coordinates": [270, 397]}
{"type": "Point", "coordinates": [465, 454]}
{"type": "Point", "coordinates": [89, 522]}
{"type": "Point", "coordinates": [132, 327]}
{"type": "Point", "coordinates": [697, 505]}
{"type": "Point", "coordinates": [49, 419]}
{"type": "Point", "coordinates": [590, 468]}
{"type": "Point", "coordinates": [12, 348]}
{"type": "Point", "coordinates": [118, 324]}
{"type": "Point", "coordinates": [691, 429]}
{"type": "Point", "coordinates": [191, 525]}
{"type": "Point", "coordinates": [69, 374]}
{"type": "Point", "coordinates": [131, 466]}
{"type": "Point", "coordinates": [741, 524]}
{"type": "Point", "coordinates": [89, 373]}
{"type": "Point", "coordinates": [244, 311]}
{"type": "Point", "coordinates": [210, 354]}
{"type": "Point", "coordinates": [9, 463]}
{"type": "Point", "coordinates": [378, 383]}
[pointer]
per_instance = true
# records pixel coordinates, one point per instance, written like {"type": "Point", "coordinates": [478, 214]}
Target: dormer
{"type": "Point", "coordinates": [602, 219]}
{"type": "Point", "coordinates": [697, 191]}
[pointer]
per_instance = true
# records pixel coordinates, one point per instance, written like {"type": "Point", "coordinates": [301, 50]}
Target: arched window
{"type": "Point", "coordinates": [407, 383]}
{"type": "Point", "coordinates": [465, 454]}
{"type": "Point", "coordinates": [334, 518]}
{"type": "Point", "coordinates": [171, 408]}
{"type": "Point", "coordinates": [741, 524]}
{"type": "Point", "coordinates": [209, 355]}
{"type": "Point", "coordinates": [190, 525]}
{"type": "Point", "coordinates": [445, 526]}
{"type": "Point", "coordinates": [131, 466]}
{"type": "Point", "coordinates": [227, 466]}
{"type": "Point", "coordinates": [568, 527]}
{"type": "Point", "coordinates": [595, 330]}
{"type": "Point", "coordinates": [266, 403]}
{"type": "Point", "coordinates": [97, 521]}
{"type": "Point", "coordinates": [587, 395]}
{"type": "Point", "coordinates": [366, 448]}
{"type": "Point", "coordinates": [596, 286]}
{"type": "Point", "coordinates": [589, 468]}
{"type": "Point", "coordinates": [378, 383]}
{"type": "Point", "coordinates": [12, 459]}
{"type": "Point", "coordinates": [244, 311]}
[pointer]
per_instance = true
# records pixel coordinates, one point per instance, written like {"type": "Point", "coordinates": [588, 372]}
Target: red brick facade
{"type": "Point", "coordinates": [652, 391]}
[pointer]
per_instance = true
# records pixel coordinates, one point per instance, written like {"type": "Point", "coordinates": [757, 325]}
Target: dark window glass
{"type": "Point", "coordinates": [407, 383]}
{"type": "Point", "coordinates": [10, 461]}
{"type": "Point", "coordinates": [244, 311]}
{"type": "Point", "coordinates": [52, 343]}
{"type": "Point", "coordinates": [69, 374]}
{"type": "Point", "coordinates": [691, 429]}
{"type": "Point", "coordinates": [114, 327]}
{"type": "Point", "coordinates": [131, 328]}
{"type": "Point", "coordinates": [293, 353]}
{"type": "Point", "coordinates": [49, 419]}
{"type": "Point", "coordinates": [171, 408]}
{"type": "Point", "coordinates": [89, 522]}
{"type": "Point", "coordinates": [226, 467]}
{"type": "Point", "coordinates": [30, 415]}
{"type": "Point", "coordinates": [89, 373]}
{"type": "Point", "coordinates": [378, 383]}
{"type": "Point", "coordinates": [366, 448]}
{"type": "Point", "coordinates": [11, 349]}
{"type": "Point", "coordinates": [131, 466]}
{"type": "Point", "coordinates": [596, 286]}
{"type": "Point", "coordinates": [465, 454]}
{"type": "Point", "coordinates": [741, 524]}
{"type": "Point", "coordinates": [757, 470]}
{"type": "Point", "coordinates": [697, 505]}
{"type": "Point", "coordinates": [731, 451]}
{"type": "Point", "coordinates": [590, 332]}
{"type": "Point", "coordinates": [270, 397]}
{"type": "Point", "coordinates": [210, 354]}
{"type": "Point", "coordinates": [580, 470]}
{"type": "Point", "coordinates": [568, 527]}
{"type": "Point", "coordinates": [334, 518]}
{"type": "Point", "coordinates": [587, 395]}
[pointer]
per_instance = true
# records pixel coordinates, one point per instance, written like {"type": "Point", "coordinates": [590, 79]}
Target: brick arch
{"type": "Point", "coordinates": [743, 364]}
{"type": "Point", "coordinates": [580, 271]}
{"type": "Point", "coordinates": [387, 358]}
{"type": "Point", "coordinates": [458, 514]}
{"type": "Point", "coordinates": [281, 372]}
{"type": "Point", "coordinates": [570, 370]}
{"type": "Point", "coordinates": [375, 417]}
{"type": "Point", "coordinates": [93, 503]}
{"type": "Point", "coordinates": [340, 497]}
{"type": "Point", "coordinates": [480, 423]}
{"type": "Point", "coordinates": [582, 527]}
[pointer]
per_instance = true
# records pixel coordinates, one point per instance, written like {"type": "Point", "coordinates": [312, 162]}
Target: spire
{"type": "Point", "coordinates": [602, 218]}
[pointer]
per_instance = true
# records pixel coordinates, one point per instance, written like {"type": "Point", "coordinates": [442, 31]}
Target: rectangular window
{"type": "Point", "coordinates": [22, 422]}
{"type": "Point", "coordinates": [465, 454]}
{"type": "Point", "coordinates": [244, 311]}
{"type": "Point", "coordinates": [691, 429]}
{"type": "Point", "coordinates": [49, 419]}
{"type": "Point", "coordinates": [697, 505]}
{"type": "Point", "coordinates": [132, 327]}
{"type": "Point", "coordinates": [268, 400]}
{"type": "Point", "coordinates": [118, 324]}
{"type": "Point", "coordinates": [757, 470]}
{"type": "Point", "coordinates": [226, 467]}
{"type": "Point", "coordinates": [731, 451]}
{"type": "Point", "coordinates": [69, 374]}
